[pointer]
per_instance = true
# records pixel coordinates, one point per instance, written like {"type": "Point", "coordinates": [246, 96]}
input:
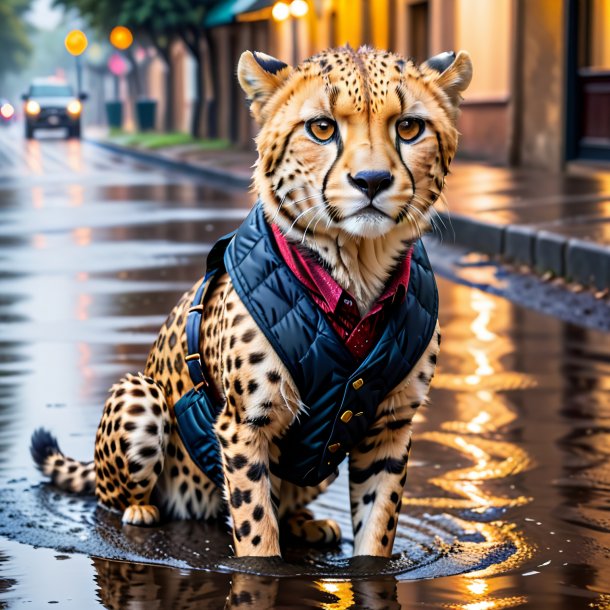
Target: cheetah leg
{"type": "Point", "coordinates": [299, 522]}
{"type": "Point", "coordinates": [249, 591]}
{"type": "Point", "coordinates": [378, 464]}
{"type": "Point", "coordinates": [252, 492]}
{"type": "Point", "coordinates": [130, 448]}
{"type": "Point", "coordinates": [377, 478]}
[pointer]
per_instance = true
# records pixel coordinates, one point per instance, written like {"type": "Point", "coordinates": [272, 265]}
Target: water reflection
{"type": "Point", "coordinates": [127, 586]}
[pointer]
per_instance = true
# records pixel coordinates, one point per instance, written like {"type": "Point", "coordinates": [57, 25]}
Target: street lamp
{"type": "Point", "coordinates": [296, 9]}
{"type": "Point", "coordinates": [121, 37]}
{"type": "Point", "coordinates": [76, 43]}
{"type": "Point", "coordinates": [282, 10]}
{"type": "Point", "coordinates": [299, 8]}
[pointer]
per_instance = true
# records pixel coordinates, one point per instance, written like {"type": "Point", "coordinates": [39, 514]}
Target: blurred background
{"type": "Point", "coordinates": [540, 94]}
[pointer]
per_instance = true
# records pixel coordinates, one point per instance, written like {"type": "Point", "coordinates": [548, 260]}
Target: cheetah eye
{"type": "Point", "coordinates": [321, 130]}
{"type": "Point", "coordinates": [409, 129]}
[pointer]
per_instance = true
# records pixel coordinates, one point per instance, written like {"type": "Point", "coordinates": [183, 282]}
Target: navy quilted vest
{"type": "Point", "coordinates": [340, 395]}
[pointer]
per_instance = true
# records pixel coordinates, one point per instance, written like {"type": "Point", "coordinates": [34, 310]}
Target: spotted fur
{"type": "Point", "coordinates": [310, 189]}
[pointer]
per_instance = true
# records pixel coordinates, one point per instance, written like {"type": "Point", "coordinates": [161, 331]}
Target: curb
{"type": "Point", "coordinates": [212, 174]}
{"type": "Point", "coordinates": [577, 260]}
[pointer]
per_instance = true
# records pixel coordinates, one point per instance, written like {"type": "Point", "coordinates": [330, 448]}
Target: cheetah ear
{"type": "Point", "coordinates": [260, 76]}
{"type": "Point", "coordinates": [451, 73]}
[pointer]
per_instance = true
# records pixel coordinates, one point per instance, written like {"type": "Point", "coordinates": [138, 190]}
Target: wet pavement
{"type": "Point", "coordinates": [509, 484]}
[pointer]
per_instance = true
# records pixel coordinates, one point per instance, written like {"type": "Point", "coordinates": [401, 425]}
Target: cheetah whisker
{"type": "Point", "coordinates": [279, 207]}
{"type": "Point", "coordinates": [301, 215]}
{"type": "Point", "coordinates": [319, 213]}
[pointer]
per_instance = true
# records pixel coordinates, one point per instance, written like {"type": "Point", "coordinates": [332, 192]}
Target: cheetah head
{"type": "Point", "coordinates": [353, 143]}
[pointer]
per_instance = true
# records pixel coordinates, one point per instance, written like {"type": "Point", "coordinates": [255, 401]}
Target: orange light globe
{"type": "Point", "coordinates": [121, 37]}
{"type": "Point", "coordinates": [76, 42]}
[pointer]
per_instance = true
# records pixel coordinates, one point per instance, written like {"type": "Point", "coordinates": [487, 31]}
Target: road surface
{"type": "Point", "coordinates": [508, 491]}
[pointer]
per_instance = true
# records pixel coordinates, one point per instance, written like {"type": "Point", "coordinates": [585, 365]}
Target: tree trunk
{"type": "Point", "coordinates": [135, 79]}
{"type": "Point", "coordinates": [212, 129]}
{"type": "Point", "coordinates": [198, 102]}
{"type": "Point", "coordinates": [192, 40]}
{"type": "Point", "coordinates": [168, 120]}
{"type": "Point", "coordinates": [164, 53]}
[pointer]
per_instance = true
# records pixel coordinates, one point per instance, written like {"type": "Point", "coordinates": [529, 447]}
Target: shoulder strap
{"type": "Point", "coordinates": [214, 268]}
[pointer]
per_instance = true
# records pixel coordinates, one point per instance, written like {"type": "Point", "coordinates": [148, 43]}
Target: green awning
{"type": "Point", "coordinates": [227, 12]}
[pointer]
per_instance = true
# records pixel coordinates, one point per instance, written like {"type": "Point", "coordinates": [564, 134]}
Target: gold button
{"type": "Point", "coordinates": [346, 417]}
{"type": "Point", "coordinates": [358, 384]}
{"type": "Point", "coordinates": [334, 448]}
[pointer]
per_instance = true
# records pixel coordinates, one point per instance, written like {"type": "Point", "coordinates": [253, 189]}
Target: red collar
{"type": "Point", "coordinates": [357, 332]}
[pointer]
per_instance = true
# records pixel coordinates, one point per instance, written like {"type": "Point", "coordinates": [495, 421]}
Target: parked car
{"type": "Point", "coordinates": [52, 104]}
{"type": "Point", "coordinates": [7, 112]}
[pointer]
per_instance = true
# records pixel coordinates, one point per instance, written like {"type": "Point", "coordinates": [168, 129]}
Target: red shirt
{"type": "Point", "coordinates": [358, 334]}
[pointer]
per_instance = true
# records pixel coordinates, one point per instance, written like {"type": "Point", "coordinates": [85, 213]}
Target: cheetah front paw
{"type": "Point", "coordinates": [146, 514]}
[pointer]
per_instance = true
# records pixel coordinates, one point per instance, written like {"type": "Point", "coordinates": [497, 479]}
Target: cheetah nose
{"type": "Point", "coordinates": [371, 182]}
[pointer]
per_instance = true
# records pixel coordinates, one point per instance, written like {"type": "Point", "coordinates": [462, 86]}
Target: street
{"type": "Point", "coordinates": [508, 491]}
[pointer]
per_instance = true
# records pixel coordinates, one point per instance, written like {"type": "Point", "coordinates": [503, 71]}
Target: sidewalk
{"type": "Point", "coordinates": [555, 224]}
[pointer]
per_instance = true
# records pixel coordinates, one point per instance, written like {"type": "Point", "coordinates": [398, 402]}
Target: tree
{"type": "Point", "coordinates": [15, 46]}
{"type": "Point", "coordinates": [162, 21]}
{"type": "Point", "coordinates": [153, 21]}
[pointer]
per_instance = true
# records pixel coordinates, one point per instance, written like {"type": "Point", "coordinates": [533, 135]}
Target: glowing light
{"type": "Point", "coordinates": [121, 37]}
{"type": "Point", "coordinates": [117, 65]}
{"type": "Point", "coordinates": [482, 360]}
{"type": "Point", "coordinates": [341, 589]}
{"type": "Point", "coordinates": [7, 111]}
{"type": "Point", "coordinates": [96, 53]}
{"type": "Point", "coordinates": [32, 107]}
{"type": "Point", "coordinates": [485, 605]}
{"type": "Point", "coordinates": [74, 107]}
{"type": "Point", "coordinates": [491, 460]}
{"type": "Point", "coordinates": [492, 604]}
{"type": "Point", "coordinates": [484, 307]}
{"type": "Point", "coordinates": [82, 236]}
{"type": "Point", "coordinates": [76, 42]}
{"type": "Point", "coordinates": [477, 586]}
{"type": "Point", "coordinates": [498, 382]}
{"type": "Point", "coordinates": [82, 306]}
{"type": "Point", "coordinates": [34, 161]}
{"type": "Point", "coordinates": [478, 423]}
{"type": "Point", "coordinates": [299, 8]}
{"type": "Point", "coordinates": [280, 11]}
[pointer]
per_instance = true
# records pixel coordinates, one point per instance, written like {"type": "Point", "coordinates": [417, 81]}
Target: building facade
{"type": "Point", "coordinates": [540, 94]}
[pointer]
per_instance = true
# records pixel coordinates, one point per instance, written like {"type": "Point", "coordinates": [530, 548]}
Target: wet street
{"type": "Point", "coordinates": [508, 496]}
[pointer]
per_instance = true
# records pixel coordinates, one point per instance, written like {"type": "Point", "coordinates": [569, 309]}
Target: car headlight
{"type": "Point", "coordinates": [7, 111]}
{"type": "Point", "coordinates": [32, 107]}
{"type": "Point", "coordinates": [74, 107]}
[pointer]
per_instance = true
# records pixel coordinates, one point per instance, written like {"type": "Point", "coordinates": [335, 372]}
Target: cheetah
{"type": "Point", "coordinates": [353, 150]}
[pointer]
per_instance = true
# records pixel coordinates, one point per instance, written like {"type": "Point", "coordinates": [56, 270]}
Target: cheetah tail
{"type": "Point", "coordinates": [66, 473]}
